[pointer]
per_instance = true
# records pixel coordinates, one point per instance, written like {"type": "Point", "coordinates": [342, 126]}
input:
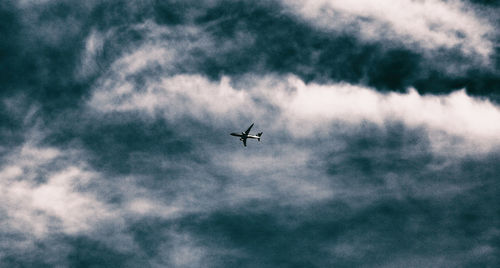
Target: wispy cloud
{"type": "Point", "coordinates": [42, 193]}
{"type": "Point", "coordinates": [311, 109]}
{"type": "Point", "coordinates": [427, 24]}
{"type": "Point", "coordinates": [115, 146]}
{"type": "Point", "coordinates": [49, 194]}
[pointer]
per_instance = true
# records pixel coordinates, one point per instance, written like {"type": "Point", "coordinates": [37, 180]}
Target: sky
{"type": "Point", "coordinates": [380, 145]}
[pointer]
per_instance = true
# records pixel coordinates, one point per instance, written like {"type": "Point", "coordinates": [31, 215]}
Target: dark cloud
{"type": "Point", "coordinates": [90, 253]}
{"type": "Point", "coordinates": [10, 129]}
{"type": "Point", "coordinates": [72, 251]}
{"type": "Point", "coordinates": [280, 43]}
{"type": "Point", "coordinates": [9, 29]}
{"type": "Point", "coordinates": [273, 41]}
{"type": "Point", "coordinates": [41, 48]}
{"type": "Point", "coordinates": [395, 199]}
{"type": "Point", "coordinates": [407, 203]}
{"type": "Point", "coordinates": [121, 144]}
{"type": "Point", "coordinates": [486, 2]}
{"type": "Point", "coordinates": [332, 233]}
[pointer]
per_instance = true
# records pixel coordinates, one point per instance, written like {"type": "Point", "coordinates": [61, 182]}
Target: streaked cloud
{"type": "Point", "coordinates": [380, 142]}
{"type": "Point", "coordinates": [309, 109]}
{"type": "Point", "coordinates": [427, 24]}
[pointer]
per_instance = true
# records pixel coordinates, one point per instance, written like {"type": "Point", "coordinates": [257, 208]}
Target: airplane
{"type": "Point", "coordinates": [245, 135]}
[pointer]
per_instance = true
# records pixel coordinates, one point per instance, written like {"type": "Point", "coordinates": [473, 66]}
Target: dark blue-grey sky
{"type": "Point", "coordinates": [381, 141]}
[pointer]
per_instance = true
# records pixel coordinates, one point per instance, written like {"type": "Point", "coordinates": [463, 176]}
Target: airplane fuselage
{"type": "Point", "coordinates": [245, 136]}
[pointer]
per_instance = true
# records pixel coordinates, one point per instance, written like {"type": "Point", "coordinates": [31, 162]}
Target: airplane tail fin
{"type": "Point", "coordinates": [259, 134]}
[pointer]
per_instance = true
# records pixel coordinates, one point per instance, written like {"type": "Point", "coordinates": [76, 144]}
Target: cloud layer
{"type": "Point", "coordinates": [380, 144]}
{"type": "Point", "coordinates": [287, 103]}
{"type": "Point", "coordinates": [426, 24]}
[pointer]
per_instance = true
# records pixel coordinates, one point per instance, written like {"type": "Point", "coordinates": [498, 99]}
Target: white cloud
{"type": "Point", "coordinates": [46, 192]}
{"type": "Point", "coordinates": [475, 121]}
{"type": "Point", "coordinates": [161, 46]}
{"type": "Point", "coordinates": [430, 24]}
{"type": "Point", "coordinates": [89, 59]}
{"type": "Point", "coordinates": [184, 251]}
{"type": "Point", "coordinates": [453, 120]}
{"type": "Point", "coordinates": [174, 97]}
{"type": "Point", "coordinates": [289, 112]}
{"type": "Point", "coordinates": [40, 197]}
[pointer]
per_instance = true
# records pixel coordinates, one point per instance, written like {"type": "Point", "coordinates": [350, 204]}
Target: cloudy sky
{"type": "Point", "coordinates": [381, 142]}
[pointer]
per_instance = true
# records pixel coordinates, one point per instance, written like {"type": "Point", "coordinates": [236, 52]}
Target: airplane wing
{"type": "Point", "coordinates": [245, 142]}
{"type": "Point", "coordinates": [248, 130]}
